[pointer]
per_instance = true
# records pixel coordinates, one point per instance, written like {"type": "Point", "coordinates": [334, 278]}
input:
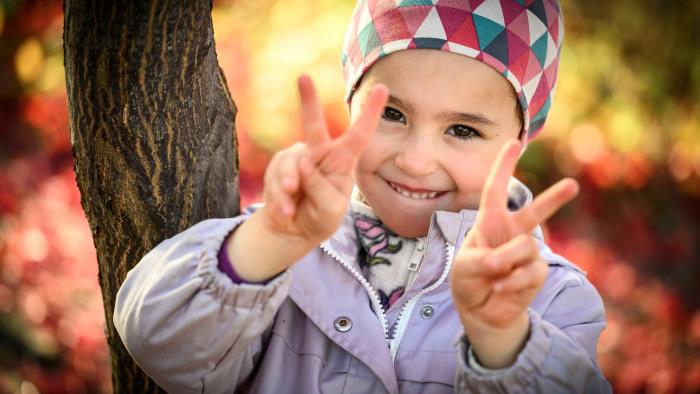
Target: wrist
{"type": "Point", "coordinates": [258, 253]}
{"type": "Point", "coordinates": [497, 347]}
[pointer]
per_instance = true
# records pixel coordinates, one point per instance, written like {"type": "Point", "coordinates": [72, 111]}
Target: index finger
{"type": "Point", "coordinates": [359, 134]}
{"type": "Point", "coordinates": [312, 118]}
{"type": "Point", "coordinates": [495, 191]}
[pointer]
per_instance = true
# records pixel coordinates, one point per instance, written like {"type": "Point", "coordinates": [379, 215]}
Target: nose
{"type": "Point", "coordinates": [416, 155]}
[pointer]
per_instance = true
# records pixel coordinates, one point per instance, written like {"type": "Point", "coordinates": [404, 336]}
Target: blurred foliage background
{"type": "Point", "coordinates": [625, 123]}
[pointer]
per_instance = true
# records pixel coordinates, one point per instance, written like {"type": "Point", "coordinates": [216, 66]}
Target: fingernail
{"type": "Point", "coordinates": [288, 182]}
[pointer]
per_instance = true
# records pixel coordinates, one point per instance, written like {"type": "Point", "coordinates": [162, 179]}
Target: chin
{"type": "Point", "coordinates": [408, 230]}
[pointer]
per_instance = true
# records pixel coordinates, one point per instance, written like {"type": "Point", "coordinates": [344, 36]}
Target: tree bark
{"type": "Point", "coordinates": [153, 135]}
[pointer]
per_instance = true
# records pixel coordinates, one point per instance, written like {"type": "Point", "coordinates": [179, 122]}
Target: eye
{"type": "Point", "coordinates": [463, 132]}
{"type": "Point", "coordinates": [393, 115]}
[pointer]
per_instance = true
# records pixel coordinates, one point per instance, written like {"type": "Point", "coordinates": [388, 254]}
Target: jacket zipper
{"type": "Point", "coordinates": [407, 309]}
{"type": "Point", "coordinates": [374, 296]}
{"type": "Point", "coordinates": [408, 306]}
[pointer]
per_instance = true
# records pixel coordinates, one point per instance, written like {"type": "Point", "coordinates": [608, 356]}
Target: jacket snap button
{"type": "Point", "coordinates": [426, 312]}
{"type": "Point", "coordinates": [343, 324]}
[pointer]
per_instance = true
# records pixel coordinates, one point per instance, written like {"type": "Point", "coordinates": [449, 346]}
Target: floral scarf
{"type": "Point", "coordinates": [389, 262]}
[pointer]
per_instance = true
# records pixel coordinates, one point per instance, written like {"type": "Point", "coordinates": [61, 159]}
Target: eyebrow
{"type": "Point", "coordinates": [474, 118]}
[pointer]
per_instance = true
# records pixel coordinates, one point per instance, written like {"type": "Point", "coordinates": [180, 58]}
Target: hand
{"type": "Point", "coordinates": [498, 269]}
{"type": "Point", "coordinates": [307, 187]}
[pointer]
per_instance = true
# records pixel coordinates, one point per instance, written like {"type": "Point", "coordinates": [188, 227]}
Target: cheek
{"type": "Point", "coordinates": [372, 157]}
{"type": "Point", "coordinates": [470, 173]}
{"type": "Point", "coordinates": [364, 168]}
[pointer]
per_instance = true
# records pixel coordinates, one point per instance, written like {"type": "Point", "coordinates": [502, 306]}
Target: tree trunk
{"type": "Point", "coordinates": [152, 130]}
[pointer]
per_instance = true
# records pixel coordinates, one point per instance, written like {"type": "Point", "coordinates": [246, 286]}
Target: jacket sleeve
{"type": "Point", "coordinates": [566, 320]}
{"type": "Point", "coordinates": [187, 324]}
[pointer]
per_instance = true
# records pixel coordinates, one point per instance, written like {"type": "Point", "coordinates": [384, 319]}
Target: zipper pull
{"type": "Point", "coordinates": [417, 256]}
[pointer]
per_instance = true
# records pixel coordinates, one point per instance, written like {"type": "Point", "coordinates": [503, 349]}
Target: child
{"type": "Point", "coordinates": [431, 275]}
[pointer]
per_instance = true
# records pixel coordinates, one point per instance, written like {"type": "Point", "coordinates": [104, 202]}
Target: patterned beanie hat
{"type": "Point", "coordinates": [521, 39]}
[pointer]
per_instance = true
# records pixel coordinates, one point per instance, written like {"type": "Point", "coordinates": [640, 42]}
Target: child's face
{"type": "Point", "coordinates": [447, 117]}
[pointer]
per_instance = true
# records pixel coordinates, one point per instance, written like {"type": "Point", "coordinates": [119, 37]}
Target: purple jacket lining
{"type": "Point", "coordinates": [226, 267]}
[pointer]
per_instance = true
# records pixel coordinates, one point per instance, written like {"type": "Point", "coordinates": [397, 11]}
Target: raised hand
{"type": "Point", "coordinates": [498, 269]}
{"type": "Point", "coordinates": [307, 187]}
{"type": "Point", "coordinates": [306, 190]}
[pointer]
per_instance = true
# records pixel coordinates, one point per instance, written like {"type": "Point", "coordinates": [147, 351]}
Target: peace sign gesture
{"type": "Point", "coordinates": [498, 270]}
{"type": "Point", "coordinates": [307, 186]}
{"type": "Point", "coordinates": [495, 224]}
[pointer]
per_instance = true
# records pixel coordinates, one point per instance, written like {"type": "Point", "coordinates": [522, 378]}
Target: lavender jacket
{"type": "Point", "coordinates": [319, 327]}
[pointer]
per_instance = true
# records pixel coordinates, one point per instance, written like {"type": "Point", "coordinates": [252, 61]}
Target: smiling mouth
{"type": "Point", "coordinates": [413, 194]}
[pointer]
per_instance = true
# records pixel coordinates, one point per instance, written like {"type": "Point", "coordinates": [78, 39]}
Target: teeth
{"type": "Point", "coordinates": [418, 196]}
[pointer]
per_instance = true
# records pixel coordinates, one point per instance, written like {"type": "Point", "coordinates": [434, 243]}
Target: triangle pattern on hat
{"type": "Point", "coordinates": [429, 42]}
{"type": "Point", "coordinates": [535, 26]}
{"type": "Point", "coordinates": [432, 26]}
{"type": "Point", "coordinates": [368, 39]}
{"type": "Point", "coordinates": [390, 26]}
{"type": "Point", "coordinates": [408, 3]}
{"type": "Point", "coordinates": [466, 34]}
{"type": "Point", "coordinates": [519, 67]}
{"type": "Point", "coordinates": [537, 9]}
{"type": "Point", "coordinates": [475, 3]}
{"type": "Point", "coordinates": [456, 4]}
{"type": "Point", "coordinates": [539, 48]}
{"type": "Point", "coordinates": [498, 48]}
{"type": "Point", "coordinates": [510, 12]}
{"type": "Point", "coordinates": [550, 73]}
{"type": "Point", "coordinates": [552, 51]}
{"type": "Point", "coordinates": [414, 17]}
{"type": "Point", "coordinates": [464, 50]}
{"type": "Point", "coordinates": [396, 45]}
{"type": "Point", "coordinates": [365, 17]}
{"type": "Point", "coordinates": [553, 29]}
{"type": "Point", "coordinates": [491, 10]}
{"type": "Point", "coordinates": [451, 18]}
{"type": "Point", "coordinates": [486, 30]}
{"type": "Point", "coordinates": [377, 7]}
{"type": "Point", "coordinates": [374, 54]}
{"type": "Point", "coordinates": [544, 109]}
{"type": "Point", "coordinates": [516, 47]}
{"type": "Point", "coordinates": [534, 67]}
{"type": "Point", "coordinates": [513, 80]}
{"type": "Point", "coordinates": [540, 96]}
{"type": "Point", "coordinates": [560, 35]}
{"type": "Point", "coordinates": [493, 62]}
{"type": "Point", "coordinates": [552, 10]}
{"type": "Point", "coordinates": [520, 27]}
{"type": "Point", "coordinates": [530, 87]}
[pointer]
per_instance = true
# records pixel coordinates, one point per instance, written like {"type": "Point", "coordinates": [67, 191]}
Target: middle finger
{"type": "Point", "coordinates": [495, 192]}
{"type": "Point", "coordinates": [360, 133]}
